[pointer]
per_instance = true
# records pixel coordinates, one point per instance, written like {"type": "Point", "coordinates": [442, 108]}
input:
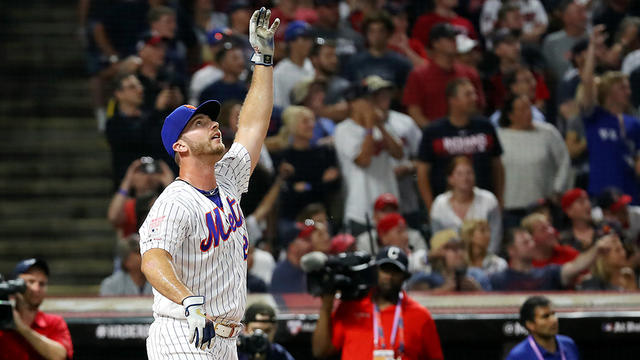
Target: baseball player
{"type": "Point", "coordinates": [194, 240]}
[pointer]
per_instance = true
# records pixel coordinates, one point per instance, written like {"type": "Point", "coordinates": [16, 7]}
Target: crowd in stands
{"type": "Point", "coordinates": [473, 135]}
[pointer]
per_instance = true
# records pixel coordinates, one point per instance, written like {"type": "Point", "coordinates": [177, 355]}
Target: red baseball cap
{"type": "Point", "coordinates": [341, 243]}
{"type": "Point", "coordinates": [571, 196]}
{"type": "Point", "coordinates": [384, 200]}
{"type": "Point", "coordinates": [390, 221]}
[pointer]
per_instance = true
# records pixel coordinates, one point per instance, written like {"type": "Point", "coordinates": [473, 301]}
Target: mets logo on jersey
{"type": "Point", "coordinates": [215, 225]}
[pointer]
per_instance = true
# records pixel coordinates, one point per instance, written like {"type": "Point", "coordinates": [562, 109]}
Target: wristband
{"type": "Point", "coordinates": [260, 59]}
{"type": "Point", "coordinates": [123, 192]}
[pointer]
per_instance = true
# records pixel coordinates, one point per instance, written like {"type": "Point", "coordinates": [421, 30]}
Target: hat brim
{"type": "Point", "coordinates": [394, 262]}
{"type": "Point", "coordinates": [211, 108]}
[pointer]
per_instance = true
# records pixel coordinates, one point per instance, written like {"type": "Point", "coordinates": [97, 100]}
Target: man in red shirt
{"type": "Point", "coordinates": [443, 12]}
{"type": "Point", "coordinates": [386, 324]}
{"type": "Point", "coordinates": [36, 335]}
{"type": "Point", "coordinates": [547, 250]}
{"type": "Point", "coordinates": [424, 93]}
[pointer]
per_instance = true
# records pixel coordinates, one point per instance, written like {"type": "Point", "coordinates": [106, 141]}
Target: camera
{"type": "Point", "coordinates": [7, 288]}
{"type": "Point", "coordinates": [255, 345]}
{"type": "Point", "coordinates": [352, 274]}
{"type": "Point", "coordinates": [149, 165]}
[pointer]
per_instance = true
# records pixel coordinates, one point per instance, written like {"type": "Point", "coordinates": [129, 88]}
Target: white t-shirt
{"type": "Point", "coordinates": [208, 244]}
{"type": "Point", "coordinates": [286, 75]}
{"type": "Point", "coordinates": [483, 207]}
{"type": "Point", "coordinates": [362, 185]}
{"type": "Point", "coordinates": [200, 80]}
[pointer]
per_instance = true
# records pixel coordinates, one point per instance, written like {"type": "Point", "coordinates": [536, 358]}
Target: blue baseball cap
{"type": "Point", "coordinates": [296, 29]}
{"type": "Point", "coordinates": [218, 35]}
{"type": "Point", "coordinates": [178, 119]}
{"type": "Point", "coordinates": [27, 264]}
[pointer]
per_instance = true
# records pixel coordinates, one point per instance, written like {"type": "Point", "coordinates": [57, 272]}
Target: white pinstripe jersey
{"type": "Point", "coordinates": [209, 245]}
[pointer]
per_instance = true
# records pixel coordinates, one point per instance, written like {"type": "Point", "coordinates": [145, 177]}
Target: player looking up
{"type": "Point", "coordinates": [194, 241]}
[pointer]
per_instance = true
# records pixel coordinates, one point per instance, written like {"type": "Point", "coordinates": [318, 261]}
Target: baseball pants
{"type": "Point", "coordinates": [168, 340]}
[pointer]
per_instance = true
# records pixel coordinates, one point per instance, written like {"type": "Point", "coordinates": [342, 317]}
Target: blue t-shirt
{"type": "Point", "coordinates": [523, 350]}
{"type": "Point", "coordinates": [538, 279]}
{"type": "Point", "coordinates": [290, 279]}
{"type": "Point", "coordinates": [611, 154]}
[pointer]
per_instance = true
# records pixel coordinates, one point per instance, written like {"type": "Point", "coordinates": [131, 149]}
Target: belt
{"type": "Point", "coordinates": [227, 331]}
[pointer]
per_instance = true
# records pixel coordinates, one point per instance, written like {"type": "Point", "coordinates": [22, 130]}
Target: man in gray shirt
{"type": "Point", "coordinates": [557, 45]}
{"type": "Point", "coordinates": [130, 280]}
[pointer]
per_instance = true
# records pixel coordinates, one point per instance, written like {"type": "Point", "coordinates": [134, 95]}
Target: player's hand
{"type": "Point", "coordinates": [261, 36]}
{"type": "Point", "coordinates": [201, 330]}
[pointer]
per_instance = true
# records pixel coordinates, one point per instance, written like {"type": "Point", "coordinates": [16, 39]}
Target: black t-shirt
{"type": "Point", "coordinates": [309, 167]}
{"type": "Point", "coordinates": [442, 141]}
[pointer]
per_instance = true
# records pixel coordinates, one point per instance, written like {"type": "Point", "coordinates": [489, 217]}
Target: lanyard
{"type": "Point", "coordinates": [396, 331]}
{"type": "Point", "coordinates": [533, 345]}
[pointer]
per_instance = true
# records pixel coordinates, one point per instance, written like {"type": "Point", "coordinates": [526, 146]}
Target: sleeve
{"type": "Point", "coordinates": [494, 218]}
{"type": "Point", "coordinates": [166, 227]}
{"type": "Point", "coordinates": [419, 30]}
{"type": "Point", "coordinates": [349, 142]}
{"type": "Point", "coordinates": [414, 138]}
{"type": "Point", "coordinates": [497, 150]}
{"type": "Point", "coordinates": [63, 337]}
{"type": "Point", "coordinates": [412, 90]}
{"type": "Point", "coordinates": [541, 14]}
{"type": "Point", "coordinates": [432, 348]}
{"type": "Point", "coordinates": [425, 152]}
{"type": "Point", "coordinates": [236, 166]}
{"type": "Point", "coordinates": [561, 159]}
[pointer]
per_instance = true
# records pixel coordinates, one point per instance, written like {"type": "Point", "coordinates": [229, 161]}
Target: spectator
{"type": "Point", "coordinates": [129, 129]}
{"type": "Point", "coordinates": [533, 13]}
{"type": "Point", "coordinates": [314, 167]}
{"type": "Point", "coordinates": [582, 232]}
{"type": "Point", "coordinates": [289, 11]}
{"type": "Point", "coordinates": [329, 27]}
{"type": "Point", "coordinates": [384, 205]}
{"type": "Point", "coordinates": [262, 316]}
{"type": "Point", "coordinates": [163, 23]}
{"type": "Point", "coordinates": [296, 66]}
{"type": "Point", "coordinates": [145, 178]}
{"type": "Point", "coordinates": [255, 284]}
{"type": "Point", "coordinates": [613, 136]}
{"type": "Point", "coordinates": [378, 59]}
{"type": "Point", "coordinates": [476, 235]}
{"type": "Point", "coordinates": [424, 93]}
{"type": "Point", "coordinates": [449, 271]}
{"type": "Point", "coordinates": [207, 17]}
{"type": "Point", "coordinates": [629, 44]}
{"type": "Point", "coordinates": [365, 145]}
{"type": "Point", "coordinates": [443, 12]}
{"type": "Point", "coordinates": [211, 72]}
{"type": "Point", "coordinates": [539, 318]}
{"type": "Point", "coordinates": [291, 278]}
{"type": "Point", "coordinates": [461, 133]}
{"type": "Point", "coordinates": [115, 26]}
{"type": "Point", "coordinates": [535, 158]}
{"type": "Point", "coordinates": [348, 331]}
{"type": "Point", "coordinates": [239, 14]}
{"type": "Point", "coordinates": [611, 272]}
{"type": "Point", "coordinates": [523, 276]}
{"type": "Point", "coordinates": [521, 82]}
{"type": "Point", "coordinates": [316, 212]}
{"type": "Point", "coordinates": [617, 209]}
{"type": "Point", "coordinates": [230, 87]}
{"type": "Point", "coordinates": [326, 66]}
{"type": "Point", "coordinates": [342, 243]}
{"type": "Point", "coordinates": [557, 45]}
{"type": "Point", "coordinates": [129, 279]}
{"type": "Point", "coordinates": [35, 334]}
{"type": "Point", "coordinates": [410, 47]}
{"type": "Point", "coordinates": [511, 75]}
{"type": "Point", "coordinates": [393, 231]}
{"type": "Point", "coordinates": [547, 250]}
{"type": "Point", "coordinates": [310, 93]}
{"type": "Point", "coordinates": [464, 201]}
{"type": "Point", "coordinates": [161, 91]}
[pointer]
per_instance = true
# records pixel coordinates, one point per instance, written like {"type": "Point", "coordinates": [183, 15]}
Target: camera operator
{"type": "Point", "coordinates": [387, 324]}
{"type": "Point", "coordinates": [257, 340]}
{"type": "Point", "coordinates": [35, 334]}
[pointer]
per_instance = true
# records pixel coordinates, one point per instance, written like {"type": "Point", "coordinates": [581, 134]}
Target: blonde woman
{"type": "Point", "coordinates": [476, 236]}
{"type": "Point", "coordinates": [611, 271]}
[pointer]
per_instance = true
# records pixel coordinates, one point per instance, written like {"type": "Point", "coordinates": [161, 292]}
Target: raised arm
{"type": "Point", "coordinates": [587, 77]}
{"type": "Point", "coordinates": [256, 110]}
{"type": "Point", "coordinates": [572, 269]}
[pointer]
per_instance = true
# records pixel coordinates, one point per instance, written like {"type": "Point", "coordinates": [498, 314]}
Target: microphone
{"type": "Point", "coordinates": [313, 261]}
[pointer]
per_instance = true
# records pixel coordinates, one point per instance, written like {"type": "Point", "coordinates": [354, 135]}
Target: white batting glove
{"type": "Point", "coordinates": [201, 330]}
{"type": "Point", "coordinates": [261, 36]}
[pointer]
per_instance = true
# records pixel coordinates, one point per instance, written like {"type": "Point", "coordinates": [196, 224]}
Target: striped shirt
{"type": "Point", "coordinates": [208, 244]}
